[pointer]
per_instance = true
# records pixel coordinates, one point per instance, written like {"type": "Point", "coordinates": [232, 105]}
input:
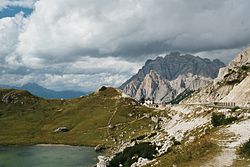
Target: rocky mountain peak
{"type": "Point", "coordinates": [152, 74]}
{"type": "Point", "coordinates": [172, 74]}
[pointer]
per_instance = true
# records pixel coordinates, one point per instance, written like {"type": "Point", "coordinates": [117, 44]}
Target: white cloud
{"type": "Point", "coordinates": [10, 28]}
{"type": "Point", "coordinates": [75, 43]}
{"type": "Point", "coordinates": [84, 82]}
{"type": "Point", "coordinates": [224, 54]}
{"type": "Point", "coordinates": [62, 30]}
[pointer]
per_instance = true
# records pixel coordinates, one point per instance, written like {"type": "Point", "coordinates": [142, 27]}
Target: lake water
{"type": "Point", "coordinates": [47, 156]}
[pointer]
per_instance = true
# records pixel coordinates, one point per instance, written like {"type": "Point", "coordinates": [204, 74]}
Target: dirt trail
{"type": "Point", "coordinates": [238, 134]}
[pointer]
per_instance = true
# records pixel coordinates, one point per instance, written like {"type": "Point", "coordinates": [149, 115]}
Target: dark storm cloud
{"type": "Point", "coordinates": [133, 29]}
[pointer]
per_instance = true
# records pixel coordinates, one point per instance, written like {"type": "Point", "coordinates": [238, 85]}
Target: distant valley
{"type": "Point", "coordinates": [40, 91]}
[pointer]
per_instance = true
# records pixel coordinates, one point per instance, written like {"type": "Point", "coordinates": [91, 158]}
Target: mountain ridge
{"type": "Point", "coordinates": [40, 91]}
{"type": "Point", "coordinates": [175, 70]}
{"type": "Point", "coordinates": [231, 85]}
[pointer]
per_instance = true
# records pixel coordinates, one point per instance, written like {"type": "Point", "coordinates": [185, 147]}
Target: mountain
{"type": "Point", "coordinates": [231, 85]}
{"type": "Point", "coordinates": [166, 77]}
{"type": "Point", "coordinates": [47, 93]}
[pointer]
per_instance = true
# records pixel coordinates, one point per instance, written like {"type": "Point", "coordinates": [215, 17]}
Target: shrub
{"type": "Point", "coordinates": [234, 109]}
{"type": "Point", "coordinates": [245, 149]}
{"type": "Point", "coordinates": [131, 155]}
{"type": "Point", "coordinates": [220, 119]}
{"type": "Point", "coordinates": [186, 93]}
{"type": "Point", "coordinates": [245, 68]}
{"type": "Point", "coordinates": [139, 138]}
{"type": "Point", "coordinates": [217, 119]}
{"type": "Point", "coordinates": [232, 82]}
{"type": "Point", "coordinates": [103, 88]}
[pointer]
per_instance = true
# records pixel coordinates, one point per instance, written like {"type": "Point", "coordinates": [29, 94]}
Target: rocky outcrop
{"type": "Point", "coordinates": [100, 148]}
{"type": "Point", "coordinates": [103, 161]}
{"type": "Point", "coordinates": [231, 85]}
{"type": "Point", "coordinates": [154, 86]}
{"type": "Point", "coordinates": [166, 77]}
{"type": "Point", "coordinates": [190, 81]}
{"type": "Point", "coordinates": [12, 96]}
{"type": "Point", "coordinates": [61, 129]}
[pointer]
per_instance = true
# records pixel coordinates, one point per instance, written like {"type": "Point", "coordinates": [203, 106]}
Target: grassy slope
{"type": "Point", "coordinates": [87, 118]}
{"type": "Point", "coordinates": [189, 155]}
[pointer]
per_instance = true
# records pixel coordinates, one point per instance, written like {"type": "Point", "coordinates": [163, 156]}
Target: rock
{"type": "Point", "coordinates": [133, 103]}
{"type": "Point", "coordinates": [130, 115]}
{"type": "Point", "coordinates": [155, 119]}
{"type": "Point", "coordinates": [61, 129]}
{"type": "Point", "coordinates": [111, 126]}
{"type": "Point", "coordinates": [19, 97]}
{"type": "Point", "coordinates": [156, 127]}
{"type": "Point", "coordinates": [231, 85]}
{"type": "Point", "coordinates": [103, 161]}
{"type": "Point", "coordinates": [141, 162]}
{"type": "Point", "coordinates": [100, 148]}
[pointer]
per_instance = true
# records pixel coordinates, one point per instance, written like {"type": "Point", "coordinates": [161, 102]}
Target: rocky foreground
{"type": "Point", "coordinates": [210, 125]}
{"type": "Point", "coordinates": [183, 125]}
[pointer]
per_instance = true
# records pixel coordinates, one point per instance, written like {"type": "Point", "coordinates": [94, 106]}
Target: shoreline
{"type": "Point", "coordinates": [57, 145]}
{"type": "Point", "coordinates": [46, 145]}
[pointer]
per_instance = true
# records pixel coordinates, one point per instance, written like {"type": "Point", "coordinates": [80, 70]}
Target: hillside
{"type": "Point", "coordinates": [231, 85]}
{"type": "Point", "coordinates": [98, 118]}
{"type": "Point", "coordinates": [182, 135]}
{"type": "Point", "coordinates": [166, 77]}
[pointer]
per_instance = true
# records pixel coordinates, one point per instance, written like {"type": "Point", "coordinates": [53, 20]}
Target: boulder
{"type": "Point", "coordinates": [61, 129]}
{"type": "Point", "coordinates": [103, 161]}
{"type": "Point", "coordinates": [100, 148]}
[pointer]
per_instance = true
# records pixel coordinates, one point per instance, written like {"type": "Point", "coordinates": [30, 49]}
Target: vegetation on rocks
{"type": "Point", "coordinates": [220, 119]}
{"type": "Point", "coordinates": [244, 150]}
{"type": "Point", "coordinates": [188, 155]}
{"type": "Point", "coordinates": [186, 93]}
{"type": "Point", "coordinates": [245, 67]}
{"type": "Point", "coordinates": [131, 154]}
{"type": "Point", "coordinates": [236, 75]}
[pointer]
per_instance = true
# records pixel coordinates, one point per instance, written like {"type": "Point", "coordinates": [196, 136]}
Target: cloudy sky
{"type": "Point", "coordinates": [83, 44]}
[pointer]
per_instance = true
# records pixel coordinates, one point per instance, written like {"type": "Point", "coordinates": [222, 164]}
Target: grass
{"type": "Point", "coordinates": [34, 120]}
{"type": "Point", "coordinates": [189, 155]}
{"type": "Point", "coordinates": [244, 150]}
{"type": "Point", "coordinates": [244, 153]}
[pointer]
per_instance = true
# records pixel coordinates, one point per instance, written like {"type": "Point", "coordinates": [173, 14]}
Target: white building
{"type": "Point", "coordinates": [149, 101]}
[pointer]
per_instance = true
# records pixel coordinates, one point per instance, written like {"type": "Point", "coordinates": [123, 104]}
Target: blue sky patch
{"type": "Point", "coordinates": [13, 10]}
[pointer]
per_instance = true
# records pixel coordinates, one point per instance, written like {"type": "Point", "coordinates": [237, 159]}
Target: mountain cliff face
{"type": "Point", "coordinates": [166, 77]}
{"type": "Point", "coordinates": [231, 85]}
